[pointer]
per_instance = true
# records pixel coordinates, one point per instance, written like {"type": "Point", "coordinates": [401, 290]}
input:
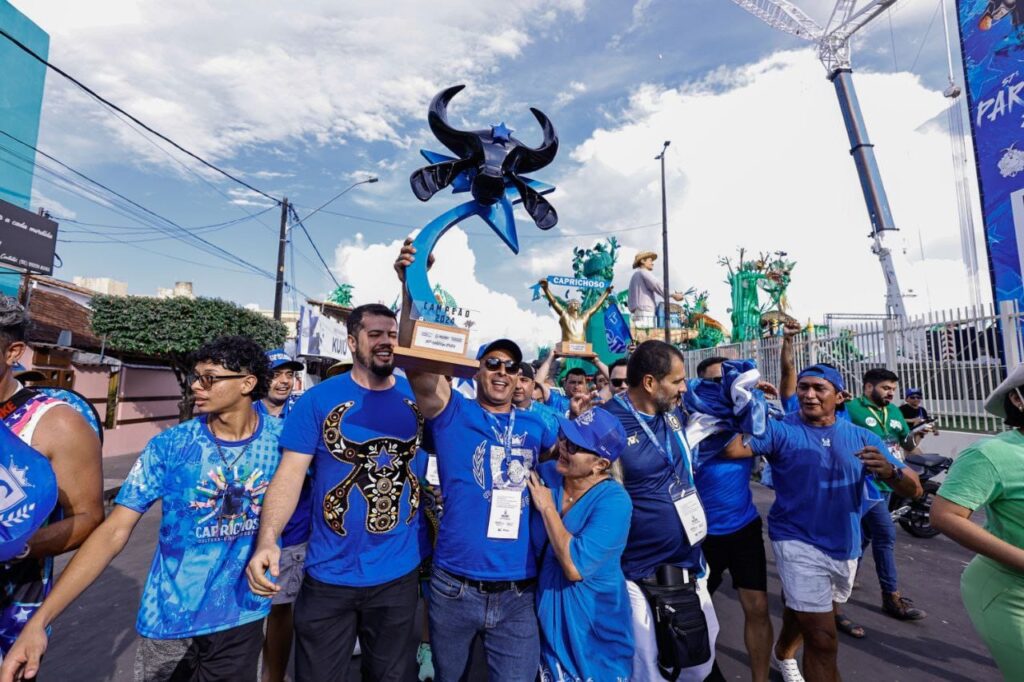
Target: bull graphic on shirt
{"type": "Point", "coordinates": [380, 469]}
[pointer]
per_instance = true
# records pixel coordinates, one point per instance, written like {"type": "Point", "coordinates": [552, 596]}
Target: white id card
{"type": "Point", "coordinates": [432, 477]}
{"type": "Point", "coordinates": [506, 509]}
{"type": "Point", "coordinates": [691, 514]}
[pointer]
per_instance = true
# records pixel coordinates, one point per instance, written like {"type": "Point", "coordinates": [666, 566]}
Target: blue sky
{"type": "Point", "coordinates": [302, 101]}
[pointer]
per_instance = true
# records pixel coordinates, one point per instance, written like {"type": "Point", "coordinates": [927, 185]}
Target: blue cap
{"type": "Point", "coordinates": [507, 345]}
{"type": "Point", "coordinates": [915, 392]}
{"type": "Point", "coordinates": [596, 431]}
{"type": "Point", "coordinates": [281, 360]}
{"type": "Point", "coordinates": [829, 374]}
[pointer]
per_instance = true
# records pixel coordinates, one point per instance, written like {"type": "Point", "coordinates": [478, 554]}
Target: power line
{"type": "Point", "coordinates": [113, 106]}
{"type": "Point", "coordinates": [295, 217]}
{"type": "Point", "coordinates": [229, 256]}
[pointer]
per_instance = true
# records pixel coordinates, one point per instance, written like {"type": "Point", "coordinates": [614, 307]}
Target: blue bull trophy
{"type": "Point", "coordinates": [489, 164]}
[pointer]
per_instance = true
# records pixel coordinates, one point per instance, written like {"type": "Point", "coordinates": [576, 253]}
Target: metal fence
{"type": "Point", "coordinates": [955, 357]}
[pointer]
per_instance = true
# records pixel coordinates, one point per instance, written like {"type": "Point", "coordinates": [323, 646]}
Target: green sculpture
{"type": "Point", "coordinates": [772, 275]}
{"type": "Point", "coordinates": [597, 263]}
{"type": "Point", "coordinates": [341, 296]}
{"type": "Point", "coordinates": [709, 331]}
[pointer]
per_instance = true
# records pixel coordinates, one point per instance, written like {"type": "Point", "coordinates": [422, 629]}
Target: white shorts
{"type": "Point", "coordinates": [811, 579]}
{"type": "Point", "coordinates": [291, 565]}
{"type": "Point", "coordinates": [645, 655]}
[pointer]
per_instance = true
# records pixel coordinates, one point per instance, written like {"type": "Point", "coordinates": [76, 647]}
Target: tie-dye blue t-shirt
{"type": "Point", "coordinates": [211, 515]}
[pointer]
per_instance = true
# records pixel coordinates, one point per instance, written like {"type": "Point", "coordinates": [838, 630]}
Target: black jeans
{"type": "Point", "coordinates": [328, 618]}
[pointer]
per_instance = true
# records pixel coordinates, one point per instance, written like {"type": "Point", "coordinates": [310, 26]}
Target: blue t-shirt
{"type": "Point", "coordinates": [819, 482]}
{"type": "Point", "coordinates": [656, 534]}
{"type": "Point", "coordinates": [558, 402]}
{"type": "Point", "coordinates": [296, 531]}
{"type": "Point", "coordinates": [586, 626]}
{"type": "Point", "coordinates": [549, 415]}
{"type": "Point", "coordinates": [471, 459]}
{"type": "Point", "coordinates": [366, 490]}
{"type": "Point", "coordinates": [211, 501]}
{"type": "Point", "coordinates": [724, 486]}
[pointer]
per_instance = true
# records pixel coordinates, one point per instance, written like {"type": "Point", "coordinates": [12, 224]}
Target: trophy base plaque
{"type": "Point", "coordinates": [438, 349]}
{"type": "Point", "coordinates": [573, 349]}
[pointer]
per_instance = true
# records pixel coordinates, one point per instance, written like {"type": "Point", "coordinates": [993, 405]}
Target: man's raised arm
{"type": "Point", "coordinates": [431, 390]}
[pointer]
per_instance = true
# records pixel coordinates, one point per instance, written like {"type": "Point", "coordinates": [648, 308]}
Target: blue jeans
{"type": "Point", "coordinates": [879, 530]}
{"type": "Point", "coordinates": [506, 622]}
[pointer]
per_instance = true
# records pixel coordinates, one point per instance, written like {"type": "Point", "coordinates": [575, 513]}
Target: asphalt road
{"type": "Point", "coordinates": [95, 639]}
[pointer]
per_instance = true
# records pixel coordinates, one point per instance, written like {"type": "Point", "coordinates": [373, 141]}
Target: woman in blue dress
{"type": "Point", "coordinates": [580, 525]}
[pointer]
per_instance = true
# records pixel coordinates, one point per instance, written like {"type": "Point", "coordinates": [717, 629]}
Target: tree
{"type": "Point", "coordinates": [172, 328]}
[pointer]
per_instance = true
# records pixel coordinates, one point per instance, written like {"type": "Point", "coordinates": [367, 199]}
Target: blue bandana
{"type": "Point", "coordinates": [829, 374]}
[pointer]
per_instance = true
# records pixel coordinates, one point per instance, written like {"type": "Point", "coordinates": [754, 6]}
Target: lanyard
{"type": "Point", "coordinates": [666, 449]}
{"type": "Point", "coordinates": [882, 420]}
{"type": "Point", "coordinates": [506, 440]}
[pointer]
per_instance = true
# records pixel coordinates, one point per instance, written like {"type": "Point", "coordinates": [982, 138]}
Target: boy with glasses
{"type": "Point", "coordinates": [484, 572]}
{"type": "Point", "coordinates": [197, 619]}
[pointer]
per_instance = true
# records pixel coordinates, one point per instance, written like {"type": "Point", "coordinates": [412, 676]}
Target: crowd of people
{"type": "Point", "coordinates": [576, 532]}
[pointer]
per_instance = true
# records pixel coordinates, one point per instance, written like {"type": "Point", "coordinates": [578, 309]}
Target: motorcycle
{"type": "Point", "coordinates": [914, 516]}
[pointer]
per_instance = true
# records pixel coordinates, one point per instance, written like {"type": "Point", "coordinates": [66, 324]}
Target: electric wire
{"type": "Point", "coordinates": [113, 106]}
{"type": "Point", "coordinates": [89, 194]}
{"type": "Point", "coordinates": [176, 227]}
{"type": "Point", "coordinates": [295, 217]}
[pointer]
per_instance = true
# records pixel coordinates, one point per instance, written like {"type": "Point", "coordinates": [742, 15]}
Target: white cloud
{"type": "Point", "coordinates": [571, 92]}
{"type": "Point", "coordinates": [764, 164]}
{"type": "Point", "coordinates": [369, 269]}
{"type": "Point", "coordinates": [220, 81]}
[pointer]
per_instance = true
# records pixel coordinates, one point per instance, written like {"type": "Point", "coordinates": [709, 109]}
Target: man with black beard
{"type": "Point", "coordinates": [361, 433]}
{"type": "Point", "coordinates": [663, 550]}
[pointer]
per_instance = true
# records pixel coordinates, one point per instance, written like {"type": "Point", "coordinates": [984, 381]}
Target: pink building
{"type": "Point", "coordinates": [136, 397]}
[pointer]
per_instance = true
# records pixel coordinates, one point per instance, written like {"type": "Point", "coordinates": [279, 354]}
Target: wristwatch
{"type": "Point", "coordinates": [897, 474]}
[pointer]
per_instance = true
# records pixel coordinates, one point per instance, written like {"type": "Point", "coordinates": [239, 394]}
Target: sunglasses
{"type": "Point", "coordinates": [206, 381]}
{"type": "Point", "coordinates": [494, 364]}
{"type": "Point", "coordinates": [618, 383]}
{"type": "Point", "coordinates": [569, 446]}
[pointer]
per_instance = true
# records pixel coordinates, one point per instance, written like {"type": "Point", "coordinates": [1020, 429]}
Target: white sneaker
{"type": "Point", "coordinates": [789, 668]}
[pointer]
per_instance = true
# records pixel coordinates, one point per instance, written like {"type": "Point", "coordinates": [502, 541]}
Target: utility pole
{"type": "Point", "coordinates": [664, 246]}
{"type": "Point", "coordinates": [279, 284]}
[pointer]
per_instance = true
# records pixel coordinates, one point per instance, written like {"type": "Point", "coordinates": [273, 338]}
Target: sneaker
{"type": "Point", "coordinates": [788, 667]}
{"type": "Point", "coordinates": [425, 659]}
{"type": "Point", "coordinates": [900, 607]}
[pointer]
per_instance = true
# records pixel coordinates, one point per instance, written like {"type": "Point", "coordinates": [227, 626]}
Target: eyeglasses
{"type": "Point", "coordinates": [618, 383]}
{"type": "Point", "coordinates": [493, 364]}
{"type": "Point", "coordinates": [206, 381]}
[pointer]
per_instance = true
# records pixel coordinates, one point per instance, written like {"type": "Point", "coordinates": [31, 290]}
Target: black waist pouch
{"type": "Point", "coordinates": [679, 625]}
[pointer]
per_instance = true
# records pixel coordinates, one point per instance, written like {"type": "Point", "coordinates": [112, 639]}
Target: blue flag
{"type": "Point", "coordinates": [616, 331]}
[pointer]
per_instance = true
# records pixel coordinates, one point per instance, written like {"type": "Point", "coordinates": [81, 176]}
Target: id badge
{"type": "Point", "coordinates": [691, 515]}
{"type": "Point", "coordinates": [506, 509]}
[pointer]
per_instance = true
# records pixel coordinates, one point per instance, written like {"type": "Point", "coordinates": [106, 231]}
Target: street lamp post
{"type": "Point", "coordinates": [279, 283]}
{"type": "Point", "coordinates": [664, 244]}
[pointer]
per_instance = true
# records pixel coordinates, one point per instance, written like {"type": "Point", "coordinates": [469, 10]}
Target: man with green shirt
{"type": "Point", "coordinates": [874, 411]}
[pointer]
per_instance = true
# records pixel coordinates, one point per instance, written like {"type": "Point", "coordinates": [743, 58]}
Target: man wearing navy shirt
{"type": "Point", "coordinates": [361, 433]}
{"type": "Point", "coordinates": [668, 523]}
{"type": "Point", "coordinates": [483, 580]}
{"type": "Point", "coordinates": [735, 542]}
{"type": "Point", "coordinates": [821, 468]}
